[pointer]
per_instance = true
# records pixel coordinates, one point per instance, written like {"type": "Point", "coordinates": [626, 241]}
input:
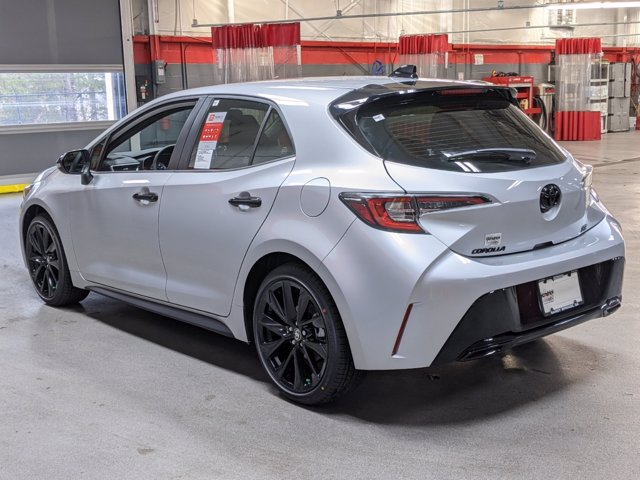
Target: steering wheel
{"type": "Point", "coordinates": [158, 165]}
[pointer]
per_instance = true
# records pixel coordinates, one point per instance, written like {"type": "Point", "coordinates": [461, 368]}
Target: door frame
{"type": "Point", "coordinates": [147, 116]}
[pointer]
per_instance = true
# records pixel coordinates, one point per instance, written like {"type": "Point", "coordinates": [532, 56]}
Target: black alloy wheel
{"type": "Point", "coordinates": [44, 262]}
{"type": "Point", "coordinates": [299, 337]}
{"type": "Point", "coordinates": [47, 265]}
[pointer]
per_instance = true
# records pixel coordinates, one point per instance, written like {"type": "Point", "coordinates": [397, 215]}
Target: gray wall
{"type": "Point", "coordinates": [22, 153]}
{"type": "Point", "coordinates": [60, 32]}
{"type": "Point", "coordinates": [54, 32]}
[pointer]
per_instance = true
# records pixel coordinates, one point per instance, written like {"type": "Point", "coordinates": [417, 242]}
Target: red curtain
{"type": "Point", "coordinates": [578, 46]}
{"type": "Point", "coordinates": [281, 34]}
{"type": "Point", "coordinates": [577, 126]}
{"type": "Point", "coordinates": [251, 35]}
{"type": "Point", "coordinates": [427, 43]}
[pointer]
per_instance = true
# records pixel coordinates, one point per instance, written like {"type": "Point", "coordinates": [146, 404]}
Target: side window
{"type": "Point", "coordinates": [228, 136]}
{"type": "Point", "coordinates": [274, 142]}
{"type": "Point", "coordinates": [149, 145]}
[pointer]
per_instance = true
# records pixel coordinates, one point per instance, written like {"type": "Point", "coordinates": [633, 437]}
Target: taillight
{"type": "Point", "coordinates": [396, 214]}
{"type": "Point", "coordinates": [431, 203]}
{"type": "Point", "coordinates": [401, 213]}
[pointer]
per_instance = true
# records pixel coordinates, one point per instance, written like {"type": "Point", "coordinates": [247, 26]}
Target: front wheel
{"type": "Point", "coordinates": [48, 265]}
{"type": "Point", "coordinates": [300, 339]}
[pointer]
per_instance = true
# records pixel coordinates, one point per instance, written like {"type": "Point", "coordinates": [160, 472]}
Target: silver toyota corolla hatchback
{"type": "Point", "coordinates": [340, 224]}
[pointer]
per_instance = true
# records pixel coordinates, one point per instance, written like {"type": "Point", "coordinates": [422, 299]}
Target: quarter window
{"type": "Point", "coordinates": [274, 141]}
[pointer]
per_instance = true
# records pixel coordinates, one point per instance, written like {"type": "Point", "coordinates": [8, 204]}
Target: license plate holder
{"type": "Point", "coordinates": [559, 293]}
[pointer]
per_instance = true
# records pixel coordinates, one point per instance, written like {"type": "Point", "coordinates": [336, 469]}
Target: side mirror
{"type": "Point", "coordinates": [74, 161]}
{"type": "Point", "coordinates": [85, 174]}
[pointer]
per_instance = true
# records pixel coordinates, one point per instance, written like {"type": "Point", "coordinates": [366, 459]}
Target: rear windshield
{"type": "Point", "coordinates": [447, 130]}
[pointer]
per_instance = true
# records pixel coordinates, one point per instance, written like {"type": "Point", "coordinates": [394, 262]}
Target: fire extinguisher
{"type": "Point", "coordinates": [144, 91]}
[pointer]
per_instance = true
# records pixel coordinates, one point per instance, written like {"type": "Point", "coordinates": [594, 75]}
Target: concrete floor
{"type": "Point", "coordinates": [107, 391]}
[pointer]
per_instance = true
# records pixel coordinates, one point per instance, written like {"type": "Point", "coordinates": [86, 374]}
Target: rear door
{"type": "Point", "coordinates": [472, 143]}
{"type": "Point", "coordinates": [114, 219]}
{"type": "Point", "coordinates": [215, 204]}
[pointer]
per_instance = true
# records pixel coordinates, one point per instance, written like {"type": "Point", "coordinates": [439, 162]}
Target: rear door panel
{"type": "Point", "coordinates": [204, 239]}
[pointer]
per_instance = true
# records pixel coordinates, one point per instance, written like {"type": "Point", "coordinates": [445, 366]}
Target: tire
{"type": "Point", "coordinates": [48, 265]}
{"type": "Point", "coordinates": [300, 339]}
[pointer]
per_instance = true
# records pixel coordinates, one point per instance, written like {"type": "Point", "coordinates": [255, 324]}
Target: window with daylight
{"type": "Point", "coordinates": [35, 98]}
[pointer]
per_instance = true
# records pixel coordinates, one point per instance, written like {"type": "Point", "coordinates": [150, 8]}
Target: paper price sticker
{"type": "Point", "coordinates": [209, 137]}
{"type": "Point", "coordinates": [204, 155]}
{"type": "Point", "coordinates": [216, 117]}
{"type": "Point", "coordinates": [211, 132]}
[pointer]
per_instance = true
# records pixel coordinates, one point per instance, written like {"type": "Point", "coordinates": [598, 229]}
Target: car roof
{"type": "Point", "coordinates": [320, 90]}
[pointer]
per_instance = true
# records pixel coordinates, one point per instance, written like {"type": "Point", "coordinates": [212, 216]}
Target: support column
{"type": "Point", "coordinates": [126, 27]}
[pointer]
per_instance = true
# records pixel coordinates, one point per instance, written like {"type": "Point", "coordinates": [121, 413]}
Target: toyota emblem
{"type": "Point", "coordinates": [549, 197]}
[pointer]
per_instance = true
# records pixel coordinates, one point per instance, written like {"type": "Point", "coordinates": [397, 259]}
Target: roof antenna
{"type": "Point", "coordinates": [405, 71]}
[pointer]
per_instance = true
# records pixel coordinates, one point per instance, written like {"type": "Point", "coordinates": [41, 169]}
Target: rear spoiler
{"type": "Point", "coordinates": [411, 88]}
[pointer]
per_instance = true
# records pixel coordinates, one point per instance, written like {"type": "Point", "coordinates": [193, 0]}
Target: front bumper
{"type": "Point", "coordinates": [374, 276]}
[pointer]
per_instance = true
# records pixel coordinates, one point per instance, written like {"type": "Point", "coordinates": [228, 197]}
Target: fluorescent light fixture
{"type": "Point", "coordinates": [592, 5]}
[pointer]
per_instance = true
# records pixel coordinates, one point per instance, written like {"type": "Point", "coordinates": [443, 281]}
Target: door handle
{"type": "Point", "coordinates": [145, 197]}
{"type": "Point", "coordinates": [245, 201]}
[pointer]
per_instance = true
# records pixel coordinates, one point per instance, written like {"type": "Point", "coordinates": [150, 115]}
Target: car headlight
{"type": "Point", "coordinates": [27, 190]}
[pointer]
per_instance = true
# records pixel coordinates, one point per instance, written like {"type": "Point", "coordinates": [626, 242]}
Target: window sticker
{"type": "Point", "coordinates": [209, 139]}
{"type": "Point", "coordinates": [216, 117]}
{"type": "Point", "coordinates": [378, 117]}
{"type": "Point", "coordinates": [215, 103]}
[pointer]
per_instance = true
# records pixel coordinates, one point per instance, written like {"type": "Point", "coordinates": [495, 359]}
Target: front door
{"type": "Point", "coordinates": [114, 219]}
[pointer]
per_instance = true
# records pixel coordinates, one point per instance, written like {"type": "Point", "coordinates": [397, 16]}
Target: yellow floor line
{"type": "Point", "coordinates": [12, 188]}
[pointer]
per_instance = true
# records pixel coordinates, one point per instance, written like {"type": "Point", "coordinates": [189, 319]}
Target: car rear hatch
{"type": "Point", "coordinates": [520, 191]}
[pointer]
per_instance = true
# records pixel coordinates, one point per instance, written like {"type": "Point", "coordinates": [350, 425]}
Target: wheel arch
{"type": "Point", "coordinates": [262, 264]}
{"type": "Point", "coordinates": [31, 212]}
{"type": "Point", "coordinates": [256, 275]}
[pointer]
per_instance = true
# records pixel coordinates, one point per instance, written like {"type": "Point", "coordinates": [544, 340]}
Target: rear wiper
{"type": "Point", "coordinates": [524, 155]}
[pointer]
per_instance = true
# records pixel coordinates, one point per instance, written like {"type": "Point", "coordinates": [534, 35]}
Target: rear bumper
{"type": "Point", "coordinates": [506, 318]}
{"type": "Point", "coordinates": [374, 276]}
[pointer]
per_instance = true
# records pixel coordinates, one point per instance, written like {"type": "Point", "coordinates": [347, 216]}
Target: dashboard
{"type": "Point", "coordinates": [148, 159]}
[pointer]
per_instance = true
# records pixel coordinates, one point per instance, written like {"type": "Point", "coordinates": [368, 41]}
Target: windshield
{"type": "Point", "coordinates": [469, 132]}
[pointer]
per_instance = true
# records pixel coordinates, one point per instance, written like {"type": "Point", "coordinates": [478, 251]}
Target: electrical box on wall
{"type": "Point", "coordinates": [564, 18]}
{"type": "Point", "coordinates": [159, 72]}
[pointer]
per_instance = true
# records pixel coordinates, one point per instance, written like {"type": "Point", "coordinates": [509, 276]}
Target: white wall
{"type": "Point", "coordinates": [176, 16]}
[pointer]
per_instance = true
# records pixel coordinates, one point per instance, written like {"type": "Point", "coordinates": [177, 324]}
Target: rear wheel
{"type": "Point", "coordinates": [300, 338]}
{"type": "Point", "coordinates": [48, 265]}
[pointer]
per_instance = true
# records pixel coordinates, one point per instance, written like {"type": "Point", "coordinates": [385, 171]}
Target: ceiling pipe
{"type": "Point", "coordinates": [484, 30]}
{"type": "Point", "coordinates": [423, 12]}
{"type": "Point", "coordinates": [379, 15]}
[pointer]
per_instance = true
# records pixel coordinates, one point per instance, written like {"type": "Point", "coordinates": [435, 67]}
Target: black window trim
{"type": "Point", "coordinates": [191, 142]}
{"type": "Point", "coordinates": [144, 116]}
